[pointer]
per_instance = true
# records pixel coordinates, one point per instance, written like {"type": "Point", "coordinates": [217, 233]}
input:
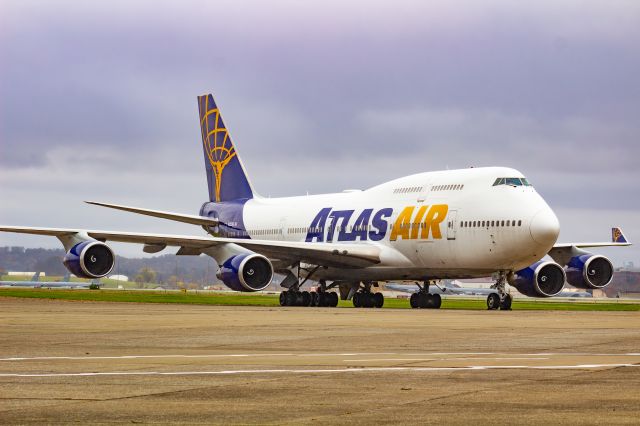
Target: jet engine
{"type": "Point", "coordinates": [246, 272]}
{"type": "Point", "coordinates": [589, 271]}
{"type": "Point", "coordinates": [89, 259]}
{"type": "Point", "coordinates": [542, 279]}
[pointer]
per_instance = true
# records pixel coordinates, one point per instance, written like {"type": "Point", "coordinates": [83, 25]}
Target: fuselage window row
{"type": "Point", "coordinates": [489, 223]}
{"type": "Point", "coordinates": [407, 190]}
{"type": "Point", "coordinates": [457, 187]}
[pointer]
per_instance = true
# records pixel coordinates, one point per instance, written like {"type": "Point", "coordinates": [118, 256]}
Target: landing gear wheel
{"type": "Point", "coordinates": [364, 300]}
{"type": "Point", "coordinates": [283, 298]}
{"type": "Point", "coordinates": [314, 299]}
{"type": "Point", "coordinates": [322, 299]}
{"type": "Point", "coordinates": [424, 300]}
{"type": "Point", "coordinates": [493, 301]}
{"type": "Point", "coordinates": [306, 298]}
{"type": "Point", "coordinates": [291, 298]}
{"type": "Point", "coordinates": [333, 299]}
{"type": "Point", "coordinates": [356, 300]}
{"type": "Point", "coordinates": [505, 305]}
{"type": "Point", "coordinates": [378, 300]}
{"type": "Point", "coordinates": [414, 300]}
{"type": "Point", "coordinates": [436, 301]}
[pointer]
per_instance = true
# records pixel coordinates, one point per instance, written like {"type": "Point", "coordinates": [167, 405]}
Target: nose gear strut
{"type": "Point", "coordinates": [500, 300]}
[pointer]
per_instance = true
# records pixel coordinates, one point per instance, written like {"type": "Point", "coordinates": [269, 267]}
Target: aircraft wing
{"type": "Point", "coordinates": [326, 254]}
{"type": "Point", "coordinates": [617, 240]}
{"type": "Point", "coordinates": [561, 253]}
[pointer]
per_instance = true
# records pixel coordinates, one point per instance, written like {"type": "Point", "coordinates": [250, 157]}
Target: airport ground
{"type": "Point", "coordinates": [79, 362]}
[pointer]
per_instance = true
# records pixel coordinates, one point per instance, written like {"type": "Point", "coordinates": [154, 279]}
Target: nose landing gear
{"type": "Point", "coordinates": [500, 300]}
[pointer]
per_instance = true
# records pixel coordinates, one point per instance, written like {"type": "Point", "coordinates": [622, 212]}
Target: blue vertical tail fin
{"type": "Point", "coordinates": [226, 176]}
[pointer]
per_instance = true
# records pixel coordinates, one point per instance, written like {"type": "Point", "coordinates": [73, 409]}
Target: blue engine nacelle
{"type": "Point", "coordinates": [246, 272]}
{"type": "Point", "coordinates": [542, 279]}
{"type": "Point", "coordinates": [589, 271]}
{"type": "Point", "coordinates": [89, 259]}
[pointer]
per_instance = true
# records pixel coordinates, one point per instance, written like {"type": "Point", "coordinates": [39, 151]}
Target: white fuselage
{"type": "Point", "coordinates": [445, 224]}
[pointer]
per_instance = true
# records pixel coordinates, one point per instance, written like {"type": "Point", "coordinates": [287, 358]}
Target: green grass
{"type": "Point", "coordinates": [237, 299]}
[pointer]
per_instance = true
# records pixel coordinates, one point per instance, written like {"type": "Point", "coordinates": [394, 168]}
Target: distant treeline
{"type": "Point", "coordinates": [195, 269]}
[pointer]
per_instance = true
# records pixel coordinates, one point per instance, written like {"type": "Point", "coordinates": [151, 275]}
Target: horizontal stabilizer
{"type": "Point", "coordinates": [176, 217]}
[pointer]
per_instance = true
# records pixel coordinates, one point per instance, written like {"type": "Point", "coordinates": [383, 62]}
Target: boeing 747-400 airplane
{"type": "Point", "coordinates": [425, 227]}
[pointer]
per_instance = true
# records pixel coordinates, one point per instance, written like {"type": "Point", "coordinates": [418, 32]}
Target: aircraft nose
{"type": "Point", "coordinates": [545, 227]}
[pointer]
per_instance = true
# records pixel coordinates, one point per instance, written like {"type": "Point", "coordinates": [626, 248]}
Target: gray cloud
{"type": "Point", "coordinates": [98, 101]}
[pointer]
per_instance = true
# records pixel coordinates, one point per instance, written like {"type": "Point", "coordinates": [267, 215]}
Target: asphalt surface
{"type": "Point", "coordinates": [69, 362]}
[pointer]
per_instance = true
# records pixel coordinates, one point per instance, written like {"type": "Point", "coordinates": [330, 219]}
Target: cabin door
{"type": "Point", "coordinates": [452, 224]}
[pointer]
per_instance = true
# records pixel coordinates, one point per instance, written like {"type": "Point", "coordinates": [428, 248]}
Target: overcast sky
{"type": "Point", "coordinates": [98, 102]}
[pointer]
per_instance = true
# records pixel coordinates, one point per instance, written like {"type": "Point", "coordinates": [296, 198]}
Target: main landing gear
{"type": "Point", "coordinates": [425, 300]}
{"type": "Point", "coordinates": [321, 298]}
{"type": "Point", "coordinates": [364, 298]}
{"type": "Point", "coordinates": [500, 300]}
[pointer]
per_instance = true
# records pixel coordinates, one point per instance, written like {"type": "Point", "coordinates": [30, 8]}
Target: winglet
{"type": "Point", "coordinates": [617, 236]}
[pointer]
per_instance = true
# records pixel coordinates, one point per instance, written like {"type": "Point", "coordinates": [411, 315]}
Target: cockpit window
{"type": "Point", "coordinates": [512, 181]}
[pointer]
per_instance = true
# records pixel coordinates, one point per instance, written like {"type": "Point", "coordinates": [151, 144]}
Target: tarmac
{"type": "Point", "coordinates": [72, 362]}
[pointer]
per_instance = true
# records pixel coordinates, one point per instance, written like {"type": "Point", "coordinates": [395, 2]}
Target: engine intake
{"type": "Point", "coordinates": [542, 279]}
{"type": "Point", "coordinates": [589, 271]}
{"type": "Point", "coordinates": [89, 259]}
{"type": "Point", "coordinates": [246, 272]}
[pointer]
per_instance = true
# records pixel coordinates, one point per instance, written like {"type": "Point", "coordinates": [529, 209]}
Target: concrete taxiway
{"type": "Point", "coordinates": [108, 362]}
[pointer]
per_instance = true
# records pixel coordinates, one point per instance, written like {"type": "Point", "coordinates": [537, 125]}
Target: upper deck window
{"type": "Point", "coordinates": [512, 181]}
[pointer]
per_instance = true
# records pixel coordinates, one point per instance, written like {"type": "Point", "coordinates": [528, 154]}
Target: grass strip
{"type": "Point", "coordinates": [239, 299]}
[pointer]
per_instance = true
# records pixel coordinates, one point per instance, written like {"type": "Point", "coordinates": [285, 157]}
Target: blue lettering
{"type": "Point", "coordinates": [316, 230]}
{"type": "Point", "coordinates": [336, 215]}
{"type": "Point", "coordinates": [380, 224]}
{"type": "Point", "coordinates": [362, 229]}
{"type": "Point", "coordinates": [359, 230]}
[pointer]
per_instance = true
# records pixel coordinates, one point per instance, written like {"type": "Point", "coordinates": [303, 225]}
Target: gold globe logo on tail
{"type": "Point", "coordinates": [617, 235]}
{"type": "Point", "coordinates": [217, 143]}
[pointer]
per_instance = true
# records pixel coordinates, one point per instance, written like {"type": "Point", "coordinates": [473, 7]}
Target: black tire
{"type": "Point", "coordinates": [505, 305]}
{"type": "Point", "coordinates": [424, 300]}
{"type": "Point", "coordinates": [306, 298]}
{"type": "Point", "coordinates": [378, 300]}
{"type": "Point", "coordinates": [322, 299]}
{"type": "Point", "coordinates": [414, 301]}
{"type": "Point", "coordinates": [291, 298]}
{"type": "Point", "coordinates": [368, 300]}
{"type": "Point", "coordinates": [333, 299]}
{"type": "Point", "coordinates": [356, 300]}
{"type": "Point", "coordinates": [493, 301]}
{"type": "Point", "coordinates": [314, 299]}
{"type": "Point", "coordinates": [436, 301]}
{"type": "Point", "coordinates": [283, 298]}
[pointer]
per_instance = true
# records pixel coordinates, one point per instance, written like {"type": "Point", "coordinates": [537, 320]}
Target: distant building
{"type": "Point", "coordinates": [119, 278]}
{"type": "Point", "coordinates": [624, 284]}
{"type": "Point", "coordinates": [24, 274]}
